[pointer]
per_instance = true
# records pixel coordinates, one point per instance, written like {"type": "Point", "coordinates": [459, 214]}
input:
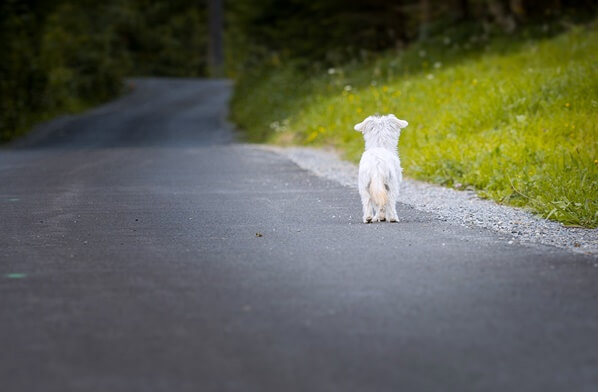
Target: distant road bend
{"type": "Point", "coordinates": [142, 249]}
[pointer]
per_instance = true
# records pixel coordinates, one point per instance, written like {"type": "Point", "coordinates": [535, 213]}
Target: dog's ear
{"type": "Point", "coordinates": [361, 126]}
{"type": "Point", "coordinates": [397, 122]}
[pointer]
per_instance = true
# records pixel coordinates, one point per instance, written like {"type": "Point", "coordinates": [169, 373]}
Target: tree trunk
{"type": "Point", "coordinates": [215, 51]}
{"type": "Point", "coordinates": [424, 26]}
{"type": "Point", "coordinates": [463, 10]}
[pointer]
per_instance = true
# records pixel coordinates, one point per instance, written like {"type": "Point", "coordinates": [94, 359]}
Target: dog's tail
{"type": "Point", "coordinates": [378, 190]}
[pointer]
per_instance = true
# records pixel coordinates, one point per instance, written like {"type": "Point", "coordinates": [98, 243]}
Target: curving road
{"type": "Point", "coordinates": [129, 261]}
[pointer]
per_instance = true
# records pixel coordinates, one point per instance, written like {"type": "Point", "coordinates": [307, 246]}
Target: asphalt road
{"type": "Point", "coordinates": [129, 261]}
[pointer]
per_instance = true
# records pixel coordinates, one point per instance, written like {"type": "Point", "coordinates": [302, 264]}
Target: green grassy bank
{"type": "Point", "coordinates": [515, 118]}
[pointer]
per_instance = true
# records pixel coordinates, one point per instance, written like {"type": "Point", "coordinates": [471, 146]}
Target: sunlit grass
{"type": "Point", "coordinates": [515, 120]}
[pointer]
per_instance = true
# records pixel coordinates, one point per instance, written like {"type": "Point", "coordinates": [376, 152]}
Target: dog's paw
{"type": "Point", "coordinates": [367, 219]}
{"type": "Point", "coordinates": [393, 220]}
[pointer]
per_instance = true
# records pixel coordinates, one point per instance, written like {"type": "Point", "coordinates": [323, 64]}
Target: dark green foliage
{"type": "Point", "coordinates": [64, 55]}
{"type": "Point", "coordinates": [312, 29]}
{"type": "Point", "coordinates": [165, 38]}
{"type": "Point", "coordinates": [322, 33]}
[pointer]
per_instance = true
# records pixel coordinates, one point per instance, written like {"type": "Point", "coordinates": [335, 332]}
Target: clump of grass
{"type": "Point", "coordinates": [516, 120]}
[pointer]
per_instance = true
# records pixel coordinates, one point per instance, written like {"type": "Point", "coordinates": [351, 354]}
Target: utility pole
{"type": "Point", "coordinates": [215, 51]}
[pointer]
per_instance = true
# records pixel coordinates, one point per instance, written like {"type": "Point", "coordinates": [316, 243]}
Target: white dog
{"type": "Point", "coordinates": [380, 168]}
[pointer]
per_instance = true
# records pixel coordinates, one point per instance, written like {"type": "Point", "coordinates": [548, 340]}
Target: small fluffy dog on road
{"type": "Point", "coordinates": [380, 169]}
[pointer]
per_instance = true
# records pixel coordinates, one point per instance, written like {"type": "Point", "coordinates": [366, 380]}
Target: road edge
{"type": "Point", "coordinates": [464, 208]}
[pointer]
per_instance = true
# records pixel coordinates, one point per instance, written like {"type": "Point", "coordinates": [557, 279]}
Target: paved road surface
{"type": "Point", "coordinates": [129, 261]}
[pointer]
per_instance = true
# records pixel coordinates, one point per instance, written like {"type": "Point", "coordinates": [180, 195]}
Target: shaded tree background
{"type": "Point", "coordinates": [334, 31]}
{"type": "Point", "coordinates": [64, 55]}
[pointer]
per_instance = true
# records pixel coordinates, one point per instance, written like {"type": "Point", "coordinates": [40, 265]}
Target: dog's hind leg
{"type": "Point", "coordinates": [391, 203]}
{"type": "Point", "coordinates": [391, 207]}
{"type": "Point", "coordinates": [368, 209]}
{"type": "Point", "coordinates": [366, 201]}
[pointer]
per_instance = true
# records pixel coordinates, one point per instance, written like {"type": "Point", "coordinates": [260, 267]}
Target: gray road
{"type": "Point", "coordinates": [129, 261]}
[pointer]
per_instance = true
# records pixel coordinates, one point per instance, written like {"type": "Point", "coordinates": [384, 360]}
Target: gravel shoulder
{"type": "Point", "coordinates": [464, 208]}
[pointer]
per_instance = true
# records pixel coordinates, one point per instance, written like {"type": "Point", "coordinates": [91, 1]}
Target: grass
{"type": "Point", "coordinates": [514, 118]}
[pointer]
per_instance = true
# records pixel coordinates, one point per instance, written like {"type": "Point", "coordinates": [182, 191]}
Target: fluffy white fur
{"type": "Point", "coordinates": [380, 168]}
